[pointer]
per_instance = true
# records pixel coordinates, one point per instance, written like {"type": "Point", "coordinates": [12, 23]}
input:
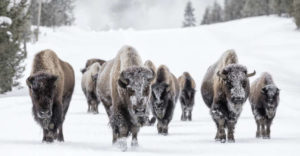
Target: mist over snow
{"type": "Point", "coordinates": [136, 14]}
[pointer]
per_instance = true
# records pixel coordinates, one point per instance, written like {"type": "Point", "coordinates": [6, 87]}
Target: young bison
{"type": "Point", "coordinates": [124, 89]}
{"type": "Point", "coordinates": [264, 99]}
{"type": "Point", "coordinates": [165, 93]}
{"type": "Point", "coordinates": [90, 62]}
{"type": "Point", "coordinates": [225, 89]}
{"type": "Point", "coordinates": [51, 85]}
{"type": "Point", "coordinates": [88, 84]}
{"type": "Point", "coordinates": [187, 97]}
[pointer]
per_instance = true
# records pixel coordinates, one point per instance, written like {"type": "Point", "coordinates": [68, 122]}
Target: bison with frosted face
{"type": "Point", "coordinates": [225, 88]}
{"type": "Point", "coordinates": [124, 89]}
{"type": "Point", "coordinates": [264, 99]}
{"type": "Point", "coordinates": [51, 85]}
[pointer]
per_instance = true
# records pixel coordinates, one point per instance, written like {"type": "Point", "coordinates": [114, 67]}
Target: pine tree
{"type": "Point", "coordinates": [13, 36]}
{"type": "Point", "coordinates": [53, 13]}
{"type": "Point", "coordinates": [256, 8]}
{"type": "Point", "coordinates": [282, 7]}
{"type": "Point", "coordinates": [216, 14]}
{"type": "Point", "coordinates": [189, 18]}
{"type": "Point", "coordinates": [205, 19]}
{"type": "Point", "coordinates": [233, 9]}
{"type": "Point", "coordinates": [297, 12]}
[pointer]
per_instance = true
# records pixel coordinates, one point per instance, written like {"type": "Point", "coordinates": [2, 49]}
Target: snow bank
{"type": "Point", "coordinates": [5, 20]}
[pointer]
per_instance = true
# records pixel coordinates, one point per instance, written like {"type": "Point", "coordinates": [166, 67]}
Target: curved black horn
{"type": "Point", "coordinates": [251, 74]}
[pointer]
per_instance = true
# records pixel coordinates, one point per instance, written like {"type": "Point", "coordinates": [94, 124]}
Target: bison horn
{"type": "Point", "coordinates": [251, 74]}
{"type": "Point", "coordinates": [221, 75]}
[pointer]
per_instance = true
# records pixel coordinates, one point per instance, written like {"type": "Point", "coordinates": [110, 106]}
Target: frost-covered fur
{"type": "Point", "coordinates": [225, 89]}
{"type": "Point", "coordinates": [264, 99]}
{"type": "Point", "coordinates": [187, 96]}
{"type": "Point", "coordinates": [165, 93]}
{"type": "Point", "coordinates": [124, 89]}
{"type": "Point", "coordinates": [51, 85]}
{"type": "Point", "coordinates": [88, 85]}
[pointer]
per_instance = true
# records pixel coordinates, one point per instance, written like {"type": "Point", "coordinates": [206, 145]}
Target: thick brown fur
{"type": "Point", "coordinates": [119, 87]}
{"type": "Point", "coordinates": [88, 85]}
{"type": "Point", "coordinates": [51, 85]}
{"type": "Point", "coordinates": [165, 93]}
{"type": "Point", "coordinates": [187, 97]}
{"type": "Point", "coordinates": [90, 62]}
{"type": "Point", "coordinates": [264, 99]}
{"type": "Point", "coordinates": [224, 89]}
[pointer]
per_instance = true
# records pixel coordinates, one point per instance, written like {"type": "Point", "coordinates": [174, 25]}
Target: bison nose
{"type": "Point", "coordinates": [237, 99]}
{"type": "Point", "coordinates": [44, 114]}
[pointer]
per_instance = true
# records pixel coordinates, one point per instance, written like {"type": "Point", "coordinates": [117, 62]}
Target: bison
{"type": "Point", "coordinates": [187, 97]}
{"type": "Point", "coordinates": [51, 85]}
{"type": "Point", "coordinates": [225, 88]}
{"type": "Point", "coordinates": [88, 85]}
{"type": "Point", "coordinates": [165, 93]}
{"type": "Point", "coordinates": [124, 89]}
{"type": "Point", "coordinates": [90, 62]}
{"type": "Point", "coordinates": [264, 99]}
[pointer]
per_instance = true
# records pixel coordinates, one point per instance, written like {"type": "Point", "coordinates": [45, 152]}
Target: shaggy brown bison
{"type": "Point", "coordinates": [225, 88]}
{"type": "Point", "coordinates": [187, 97]}
{"type": "Point", "coordinates": [88, 85]}
{"type": "Point", "coordinates": [264, 99]}
{"type": "Point", "coordinates": [165, 93]}
{"type": "Point", "coordinates": [51, 85]}
{"type": "Point", "coordinates": [124, 89]}
{"type": "Point", "coordinates": [90, 62]}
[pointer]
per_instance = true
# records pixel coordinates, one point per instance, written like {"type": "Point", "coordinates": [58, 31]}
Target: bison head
{"type": "Point", "coordinates": [271, 98]}
{"type": "Point", "coordinates": [235, 86]}
{"type": "Point", "coordinates": [160, 97]}
{"type": "Point", "coordinates": [42, 89]}
{"type": "Point", "coordinates": [135, 84]}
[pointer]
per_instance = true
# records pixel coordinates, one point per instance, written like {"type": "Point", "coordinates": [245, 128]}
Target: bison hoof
{"type": "Point", "coordinates": [48, 140]}
{"type": "Point", "coordinates": [266, 137]}
{"type": "Point", "coordinates": [231, 140]}
{"type": "Point", "coordinates": [258, 135]}
{"type": "Point", "coordinates": [122, 144]}
{"type": "Point", "coordinates": [222, 140]}
{"type": "Point", "coordinates": [134, 143]}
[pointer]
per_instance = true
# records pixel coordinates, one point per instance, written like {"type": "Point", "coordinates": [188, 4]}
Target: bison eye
{"type": "Point", "coordinates": [244, 84]}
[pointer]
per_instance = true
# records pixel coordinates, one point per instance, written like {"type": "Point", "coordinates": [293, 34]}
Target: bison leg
{"type": "Point", "coordinates": [190, 116]}
{"type": "Point", "coordinates": [219, 118]}
{"type": "Point", "coordinates": [120, 130]}
{"type": "Point", "coordinates": [159, 127]}
{"type": "Point", "coordinates": [183, 116]}
{"type": "Point", "coordinates": [258, 131]}
{"type": "Point", "coordinates": [221, 130]}
{"type": "Point", "coordinates": [48, 136]}
{"type": "Point", "coordinates": [268, 130]}
{"type": "Point", "coordinates": [231, 127]}
{"type": "Point", "coordinates": [60, 134]}
{"type": "Point", "coordinates": [134, 141]}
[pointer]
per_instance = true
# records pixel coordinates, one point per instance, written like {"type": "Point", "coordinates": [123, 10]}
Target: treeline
{"type": "Point", "coordinates": [16, 19]}
{"type": "Point", "coordinates": [237, 9]}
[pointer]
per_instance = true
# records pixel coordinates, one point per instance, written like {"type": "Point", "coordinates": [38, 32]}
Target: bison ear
{"type": "Point", "coordinates": [222, 75]}
{"type": "Point", "coordinates": [123, 82]}
{"type": "Point", "coordinates": [263, 90]}
{"type": "Point", "coordinates": [83, 70]}
{"type": "Point", "coordinates": [29, 81]}
{"type": "Point", "coordinates": [94, 77]}
{"type": "Point", "coordinates": [151, 77]}
{"type": "Point", "coordinates": [52, 78]}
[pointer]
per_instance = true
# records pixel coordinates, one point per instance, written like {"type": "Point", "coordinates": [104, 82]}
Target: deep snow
{"type": "Point", "coordinates": [263, 44]}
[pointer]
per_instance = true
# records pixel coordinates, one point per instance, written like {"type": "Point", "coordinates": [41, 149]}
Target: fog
{"type": "Point", "coordinates": [135, 14]}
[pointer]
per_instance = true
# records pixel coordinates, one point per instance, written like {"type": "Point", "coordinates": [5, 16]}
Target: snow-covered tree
{"type": "Point", "coordinates": [53, 13]}
{"type": "Point", "coordinates": [255, 8]}
{"type": "Point", "coordinates": [216, 13]}
{"type": "Point", "coordinates": [297, 12]}
{"type": "Point", "coordinates": [205, 19]}
{"type": "Point", "coordinates": [14, 32]}
{"type": "Point", "coordinates": [189, 18]}
{"type": "Point", "coordinates": [233, 8]}
{"type": "Point", "coordinates": [282, 7]}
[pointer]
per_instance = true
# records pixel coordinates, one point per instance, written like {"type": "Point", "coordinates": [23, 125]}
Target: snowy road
{"type": "Point", "coordinates": [264, 44]}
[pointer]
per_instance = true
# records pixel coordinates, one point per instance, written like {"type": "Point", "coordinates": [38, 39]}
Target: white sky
{"type": "Point", "coordinates": [136, 14]}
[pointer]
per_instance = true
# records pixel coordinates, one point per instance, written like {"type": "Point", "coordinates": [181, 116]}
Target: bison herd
{"type": "Point", "coordinates": [131, 91]}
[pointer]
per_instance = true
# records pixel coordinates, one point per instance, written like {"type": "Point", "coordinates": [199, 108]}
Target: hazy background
{"type": "Point", "coordinates": [136, 14]}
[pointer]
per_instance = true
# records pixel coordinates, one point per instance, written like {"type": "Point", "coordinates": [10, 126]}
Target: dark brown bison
{"type": "Point", "coordinates": [225, 88]}
{"type": "Point", "coordinates": [51, 85]}
{"type": "Point", "coordinates": [124, 89]}
{"type": "Point", "coordinates": [264, 99]}
{"type": "Point", "coordinates": [187, 97]}
{"type": "Point", "coordinates": [90, 62]}
{"type": "Point", "coordinates": [165, 93]}
{"type": "Point", "coordinates": [88, 85]}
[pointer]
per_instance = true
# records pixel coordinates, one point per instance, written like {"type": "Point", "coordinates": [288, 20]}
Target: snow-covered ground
{"type": "Point", "coordinates": [263, 44]}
